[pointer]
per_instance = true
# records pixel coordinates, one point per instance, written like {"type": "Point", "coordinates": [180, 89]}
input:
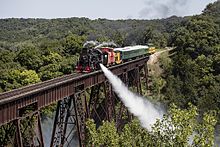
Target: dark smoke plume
{"type": "Point", "coordinates": [164, 8]}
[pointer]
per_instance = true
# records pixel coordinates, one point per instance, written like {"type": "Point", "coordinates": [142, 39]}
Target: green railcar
{"type": "Point", "coordinates": [132, 52]}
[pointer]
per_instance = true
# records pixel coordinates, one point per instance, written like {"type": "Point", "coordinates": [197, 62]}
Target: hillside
{"type": "Point", "coordinates": [193, 75]}
{"type": "Point", "coordinates": [131, 31]}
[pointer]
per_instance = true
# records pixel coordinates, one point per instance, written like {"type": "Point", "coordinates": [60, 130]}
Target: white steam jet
{"type": "Point", "coordinates": [146, 112]}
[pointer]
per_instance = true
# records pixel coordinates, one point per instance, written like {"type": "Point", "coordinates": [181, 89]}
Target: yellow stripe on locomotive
{"type": "Point", "coordinates": [118, 57]}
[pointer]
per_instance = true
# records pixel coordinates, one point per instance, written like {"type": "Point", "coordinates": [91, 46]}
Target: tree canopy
{"type": "Point", "coordinates": [180, 127]}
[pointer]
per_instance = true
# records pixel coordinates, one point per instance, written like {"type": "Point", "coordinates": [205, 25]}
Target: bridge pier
{"type": "Point", "coordinates": [40, 133]}
{"type": "Point", "coordinates": [146, 76]}
{"type": "Point", "coordinates": [64, 119]}
{"type": "Point", "coordinates": [97, 108]}
{"type": "Point", "coordinates": [80, 117]}
{"type": "Point", "coordinates": [18, 133]}
{"type": "Point", "coordinates": [110, 101]}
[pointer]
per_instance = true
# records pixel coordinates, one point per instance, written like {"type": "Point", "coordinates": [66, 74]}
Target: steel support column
{"type": "Point", "coordinates": [80, 118]}
{"type": "Point", "coordinates": [93, 100]}
{"type": "Point", "coordinates": [18, 133]}
{"type": "Point", "coordinates": [55, 124]}
{"type": "Point", "coordinates": [122, 109]}
{"type": "Point", "coordinates": [40, 130]}
{"type": "Point", "coordinates": [64, 118]}
{"type": "Point", "coordinates": [110, 103]}
{"type": "Point", "coordinates": [146, 75]}
{"type": "Point", "coordinates": [138, 80]}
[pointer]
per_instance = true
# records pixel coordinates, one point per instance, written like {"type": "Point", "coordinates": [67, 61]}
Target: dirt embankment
{"type": "Point", "coordinates": [154, 68]}
{"type": "Point", "coordinates": [153, 62]}
{"type": "Point", "coordinates": [154, 65]}
{"type": "Point", "coordinates": [154, 57]}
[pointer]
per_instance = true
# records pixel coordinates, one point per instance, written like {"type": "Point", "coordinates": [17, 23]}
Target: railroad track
{"type": "Point", "coordinates": [37, 86]}
{"type": "Point", "coordinates": [34, 88]}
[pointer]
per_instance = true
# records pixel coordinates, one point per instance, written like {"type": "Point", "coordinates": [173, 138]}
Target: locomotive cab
{"type": "Point", "coordinates": [108, 56]}
{"type": "Point", "coordinates": [105, 58]}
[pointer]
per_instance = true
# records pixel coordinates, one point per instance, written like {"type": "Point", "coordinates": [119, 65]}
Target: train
{"type": "Point", "coordinates": [90, 58]}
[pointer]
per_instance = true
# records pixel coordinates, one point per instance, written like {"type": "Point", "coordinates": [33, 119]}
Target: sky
{"type": "Point", "coordinates": [94, 9]}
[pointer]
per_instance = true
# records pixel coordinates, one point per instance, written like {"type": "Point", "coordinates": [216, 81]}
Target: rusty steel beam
{"type": "Point", "coordinates": [18, 133]}
{"type": "Point", "coordinates": [72, 108]}
{"type": "Point", "coordinates": [20, 126]}
{"type": "Point", "coordinates": [8, 135]}
{"type": "Point", "coordinates": [118, 120]}
{"type": "Point", "coordinates": [64, 118]}
{"type": "Point", "coordinates": [80, 117]}
{"type": "Point", "coordinates": [55, 124]}
{"type": "Point", "coordinates": [110, 103]}
{"type": "Point", "coordinates": [41, 143]}
{"type": "Point", "coordinates": [138, 80]}
{"type": "Point", "coordinates": [146, 76]}
{"type": "Point", "coordinates": [93, 100]}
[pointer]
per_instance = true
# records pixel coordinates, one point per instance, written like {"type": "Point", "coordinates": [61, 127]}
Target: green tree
{"type": "Point", "coordinates": [16, 78]}
{"type": "Point", "coordinates": [29, 57]}
{"type": "Point", "coordinates": [179, 127]}
{"type": "Point", "coordinates": [73, 44]}
{"type": "Point", "coordinates": [105, 135]}
{"type": "Point", "coordinates": [51, 58]}
{"type": "Point", "coordinates": [68, 64]}
{"type": "Point", "coordinates": [194, 74]}
{"type": "Point", "coordinates": [27, 77]}
{"type": "Point", "coordinates": [50, 71]}
{"type": "Point", "coordinates": [133, 135]}
{"type": "Point", "coordinates": [118, 38]}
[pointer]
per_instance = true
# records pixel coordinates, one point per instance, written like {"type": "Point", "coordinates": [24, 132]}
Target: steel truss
{"type": "Point", "coordinates": [73, 111]}
{"type": "Point", "coordinates": [25, 123]}
{"type": "Point", "coordinates": [65, 123]}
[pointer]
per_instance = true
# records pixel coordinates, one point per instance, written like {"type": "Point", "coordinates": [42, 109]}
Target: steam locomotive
{"type": "Point", "coordinates": [90, 58]}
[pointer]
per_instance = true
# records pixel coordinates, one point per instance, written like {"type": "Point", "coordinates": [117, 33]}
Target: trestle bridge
{"type": "Point", "coordinates": [77, 97]}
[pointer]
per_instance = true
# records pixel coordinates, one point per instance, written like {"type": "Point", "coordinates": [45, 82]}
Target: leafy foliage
{"type": "Point", "coordinates": [105, 135]}
{"type": "Point", "coordinates": [180, 127]}
{"type": "Point", "coordinates": [16, 78]}
{"type": "Point", "coordinates": [194, 76]}
{"type": "Point", "coordinates": [73, 44]}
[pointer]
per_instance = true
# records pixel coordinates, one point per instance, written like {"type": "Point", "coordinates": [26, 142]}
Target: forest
{"type": "Point", "coordinates": [34, 50]}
